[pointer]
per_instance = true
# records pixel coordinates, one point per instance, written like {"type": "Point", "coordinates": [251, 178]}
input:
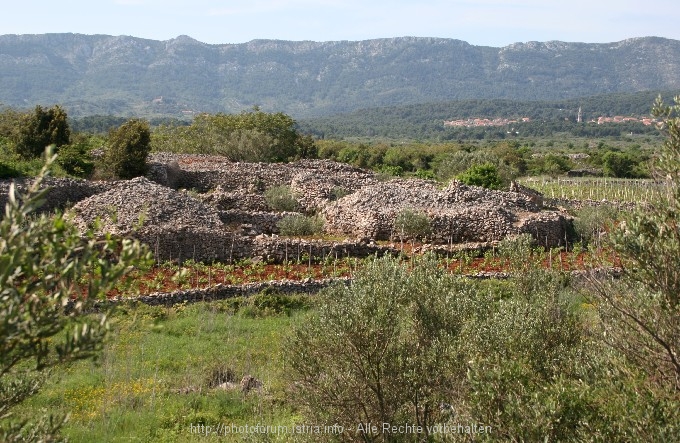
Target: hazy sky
{"type": "Point", "coordinates": [484, 22]}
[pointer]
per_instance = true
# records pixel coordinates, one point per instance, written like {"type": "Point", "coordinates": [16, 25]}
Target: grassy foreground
{"type": "Point", "coordinates": [156, 379]}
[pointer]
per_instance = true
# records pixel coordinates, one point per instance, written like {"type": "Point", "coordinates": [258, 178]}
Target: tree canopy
{"type": "Point", "coordinates": [41, 128]}
{"type": "Point", "coordinates": [249, 136]}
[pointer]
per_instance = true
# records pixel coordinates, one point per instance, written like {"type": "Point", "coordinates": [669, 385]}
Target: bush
{"type": "Point", "coordinates": [248, 136]}
{"type": "Point", "coordinates": [591, 223]}
{"type": "Point", "coordinates": [49, 277]}
{"type": "Point", "coordinates": [7, 171]}
{"type": "Point", "coordinates": [414, 344]}
{"type": "Point", "coordinates": [337, 193]}
{"type": "Point", "coordinates": [412, 224]}
{"type": "Point", "coordinates": [41, 129]}
{"type": "Point", "coordinates": [76, 160]}
{"type": "Point", "coordinates": [509, 165]}
{"type": "Point", "coordinates": [281, 198]}
{"type": "Point", "coordinates": [644, 315]}
{"type": "Point", "coordinates": [618, 164]}
{"type": "Point", "coordinates": [127, 150]}
{"type": "Point", "coordinates": [298, 225]}
{"type": "Point", "coordinates": [485, 175]}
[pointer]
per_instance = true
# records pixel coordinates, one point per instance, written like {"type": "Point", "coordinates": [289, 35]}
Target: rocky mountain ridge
{"type": "Point", "coordinates": [100, 74]}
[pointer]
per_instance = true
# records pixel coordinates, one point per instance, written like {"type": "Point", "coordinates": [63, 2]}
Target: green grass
{"type": "Point", "coordinates": [153, 380]}
{"type": "Point", "coordinates": [12, 166]}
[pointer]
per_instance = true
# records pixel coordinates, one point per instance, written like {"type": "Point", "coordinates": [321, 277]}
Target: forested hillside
{"type": "Point", "coordinates": [426, 121]}
{"type": "Point", "coordinates": [125, 76]}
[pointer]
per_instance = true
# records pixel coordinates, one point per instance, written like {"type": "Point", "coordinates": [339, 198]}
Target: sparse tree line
{"type": "Point", "coordinates": [24, 137]}
{"type": "Point", "coordinates": [258, 136]}
{"type": "Point", "coordinates": [249, 136]}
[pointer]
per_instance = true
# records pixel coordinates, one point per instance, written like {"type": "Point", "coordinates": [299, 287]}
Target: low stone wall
{"type": "Point", "coordinates": [280, 249]}
{"type": "Point", "coordinates": [309, 286]}
{"type": "Point", "coordinates": [549, 229]}
{"type": "Point", "coordinates": [223, 292]}
{"type": "Point", "coordinates": [179, 245]}
{"type": "Point", "coordinates": [62, 192]}
{"type": "Point", "coordinates": [239, 199]}
{"type": "Point", "coordinates": [253, 223]}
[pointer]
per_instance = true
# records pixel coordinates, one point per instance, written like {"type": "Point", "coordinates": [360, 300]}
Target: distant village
{"type": "Point", "coordinates": [473, 122]}
{"type": "Point", "coordinates": [477, 122]}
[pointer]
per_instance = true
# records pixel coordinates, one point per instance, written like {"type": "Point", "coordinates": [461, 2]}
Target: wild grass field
{"type": "Point", "coordinates": [161, 367]}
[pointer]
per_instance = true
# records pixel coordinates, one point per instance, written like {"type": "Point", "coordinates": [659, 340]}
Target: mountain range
{"type": "Point", "coordinates": [122, 75]}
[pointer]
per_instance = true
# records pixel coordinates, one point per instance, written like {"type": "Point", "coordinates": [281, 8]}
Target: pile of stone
{"type": "Point", "coordinates": [236, 185]}
{"type": "Point", "coordinates": [62, 192]}
{"type": "Point", "coordinates": [140, 204]}
{"type": "Point", "coordinates": [458, 213]}
{"type": "Point", "coordinates": [314, 189]}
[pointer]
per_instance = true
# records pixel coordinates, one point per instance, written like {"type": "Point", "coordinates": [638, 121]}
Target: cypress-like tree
{"type": "Point", "coordinates": [128, 148]}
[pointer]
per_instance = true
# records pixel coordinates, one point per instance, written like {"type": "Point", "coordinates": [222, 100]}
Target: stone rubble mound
{"type": "Point", "coordinates": [458, 213]}
{"type": "Point", "coordinates": [122, 209]}
{"type": "Point", "coordinates": [62, 192]}
{"type": "Point", "coordinates": [314, 189]}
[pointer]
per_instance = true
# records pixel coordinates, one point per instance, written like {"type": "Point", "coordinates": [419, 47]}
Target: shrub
{"type": "Point", "coordinates": [337, 193]}
{"type": "Point", "coordinates": [389, 170]}
{"type": "Point", "coordinates": [41, 129]}
{"type": "Point", "coordinates": [485, 175]}
{"type": "Point", "coordinates": [414, 344]}
{"type": "Point", "coordinates": [425, 174]}
{"type": "Point", "coordinates": [75, 159]}
{"type": "Point", "coordinates": [7, 171]}
{"type": "Point", "coordinates": [373, 353]}
{"type": "Point", "coordinates": [49, 275]}
{"type": "Point", "coordinates": [643, 316]}
{"type": "Point", "coordinates": [281, 198]}
{"type": "Point", "coordinates": [618, 164]}
{"type": "Point", "coordinates": [412, 224]}
{"type": "Point", "coordinates": [456, 163]}
{"type": "Point", "coordinates": [128, 148]}
{"type": "Point", "coordinates": [591, 223]}
{"type": "Point", "coordinates": [299, 225]}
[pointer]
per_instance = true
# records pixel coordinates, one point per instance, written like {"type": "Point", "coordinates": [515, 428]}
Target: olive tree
{"type": "Point", "coordinates": [379, 351]}
{"type": "Point", "coordinates": [49, 276]}
{"type": "Point", "coordinates": [248, 136]}
{"type": "Point", "coordinates": [414, 344]}
{"type": "Point", "coordinates": [412, 224]}
{"type": "Point", "coordinates": [642, 314]}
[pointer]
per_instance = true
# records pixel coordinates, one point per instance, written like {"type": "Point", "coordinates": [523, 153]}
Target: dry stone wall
{"type": "Point", "coordinates": [219, 246]}
{"type": "Point", "coordinates": [458, 213]}
{"type": "Point", "coordinates": [223, 216]}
